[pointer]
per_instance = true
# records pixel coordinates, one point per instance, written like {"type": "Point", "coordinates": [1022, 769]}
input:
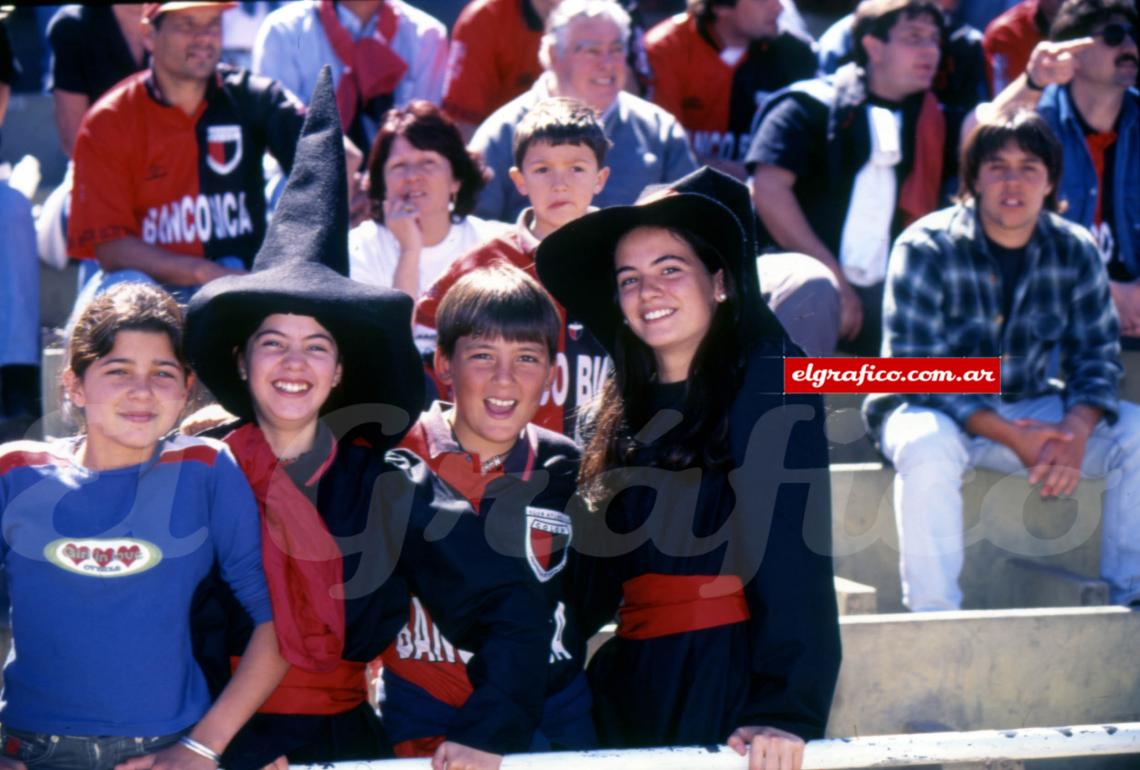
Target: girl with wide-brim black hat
{"type": "Point", "coordinates": [325, 378]}
{"type": "Point", "coordinates": [711, 531]}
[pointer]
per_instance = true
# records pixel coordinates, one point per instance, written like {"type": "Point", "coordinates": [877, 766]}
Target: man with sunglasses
{"type": "Point", "coordinates": [1083, 84]}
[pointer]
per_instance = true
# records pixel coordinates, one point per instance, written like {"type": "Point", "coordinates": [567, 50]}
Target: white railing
{"type": "Point", "coordinates": [836, 754]}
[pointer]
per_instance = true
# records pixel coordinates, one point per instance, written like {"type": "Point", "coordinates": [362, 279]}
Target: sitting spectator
{"type": "Point", "coordinates": [960, 84]}
{"type": "Point", "coordinates": [494, 57]}
{"type": "Point", "coordinates": [1082, 84]}
{"type": "Point", "coordinates": [713, 66]}
{"type": "Point", "coordinates": [1002, 275]}
{"type": "Point", "coordinates": [583, 53]}
{"type": "Point", "coordinates": [840, 165]}
{"type": "Point", "coordinates": [1010, 38]}
{"type": "Point", "coordinates": [560, 154]}
{"type": "Point", "coordinates": [384, 54]}
{"type": "Point", "coordinates": [422, 184]}
{"type": "Point", "coordinates": [168, 165]}
{"type": "Point", "coordinates": [93, 48]}
{"type": "Point", "coordinates": [19, 292]}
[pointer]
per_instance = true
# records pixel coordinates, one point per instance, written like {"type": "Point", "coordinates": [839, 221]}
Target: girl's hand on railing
{"type": "Point", "coordinates": [771, 748]}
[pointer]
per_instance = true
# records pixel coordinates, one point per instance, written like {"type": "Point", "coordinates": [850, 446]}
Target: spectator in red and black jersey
{"type": "Point", "coordinates": [168, 165]}
{"type": "Point", "coordinates": [1010, 38]}
{"type": "Point", "coordinates": [713, 65]}
{"type": "Point", "coordinates": [494, 57]}
{"type": "Point", "coordinates": [93, 48]}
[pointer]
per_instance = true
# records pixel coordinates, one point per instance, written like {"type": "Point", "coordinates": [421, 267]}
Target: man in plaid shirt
{"type": "Point", "coordinates": [1001, 275]}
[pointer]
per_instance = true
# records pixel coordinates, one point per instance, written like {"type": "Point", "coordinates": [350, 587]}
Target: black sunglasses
{"type": "Point", "coordinates": [1113, 34]}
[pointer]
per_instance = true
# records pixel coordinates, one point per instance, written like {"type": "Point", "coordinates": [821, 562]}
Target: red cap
{"type": "Point", "coordinates": [150, 10]}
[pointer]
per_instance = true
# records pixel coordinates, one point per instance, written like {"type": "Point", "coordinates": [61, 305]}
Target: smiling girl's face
{"type": "Point", "coordinates": [292, 364]}
{"type": "Point", "coordinates": [131, 397]}
{"type": "Point", "coordinates": [667, 295]}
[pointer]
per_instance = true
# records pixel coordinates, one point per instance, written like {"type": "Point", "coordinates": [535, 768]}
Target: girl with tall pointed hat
{"type": "Point", "coordinates": [325, 379]}
{"type": "Point", "coordinates": [719, 476]}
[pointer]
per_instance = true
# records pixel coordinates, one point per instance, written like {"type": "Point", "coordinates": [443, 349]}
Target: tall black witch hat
{"type": "Point", "coordinates": [301, 269]}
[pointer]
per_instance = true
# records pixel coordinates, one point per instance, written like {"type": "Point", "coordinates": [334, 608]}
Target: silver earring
{"type": "Point", "coordinates": [720, 297]}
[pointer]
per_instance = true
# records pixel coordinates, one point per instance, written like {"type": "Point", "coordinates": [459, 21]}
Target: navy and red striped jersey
{"type": "Point", "coordinates": [523, 509]}
{"type": "Point", "coordinates": [191, 184]}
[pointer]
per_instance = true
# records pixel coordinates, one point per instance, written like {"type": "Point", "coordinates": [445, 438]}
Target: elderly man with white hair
{"type": "Point", "coordinates": [583, 53]}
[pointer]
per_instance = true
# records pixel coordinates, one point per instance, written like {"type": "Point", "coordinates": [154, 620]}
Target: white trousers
{"type": "Point", "coordinates": [930, 454]}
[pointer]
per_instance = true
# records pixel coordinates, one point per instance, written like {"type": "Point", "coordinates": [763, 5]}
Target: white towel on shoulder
{"type": "Point", "coordinates": [866, 240]}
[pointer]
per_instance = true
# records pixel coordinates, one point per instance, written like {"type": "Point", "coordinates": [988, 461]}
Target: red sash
{"type": "Point", "coordinates": [302, 562]}
{"type": "Point", "coordinates": [920, 190]}
{"type": "Point", "coordinates": [308, 692]}
{"type": "Point", "coordinates": [660, 605]}
{"type": "Point", "coordinates": [371, 67]}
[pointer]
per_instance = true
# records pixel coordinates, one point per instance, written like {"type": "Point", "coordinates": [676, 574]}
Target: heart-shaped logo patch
{"type": "Point", "coordinates": [127, 555]}
{"type": "Point", "coordinates": [77, 554]}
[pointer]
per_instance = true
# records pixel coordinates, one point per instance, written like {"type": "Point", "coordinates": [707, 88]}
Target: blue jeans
{"type": "Point", "coordinates": [19, 281]}
{"type": "Point", "coordinates": [77, 752]}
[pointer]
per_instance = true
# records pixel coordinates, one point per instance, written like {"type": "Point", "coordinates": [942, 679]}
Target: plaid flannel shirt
{"type": "Point", "coordinates": [944, 298]}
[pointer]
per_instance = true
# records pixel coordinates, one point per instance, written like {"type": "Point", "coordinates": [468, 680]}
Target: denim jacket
{"type": "Point", "coordinates": [1078, 177]}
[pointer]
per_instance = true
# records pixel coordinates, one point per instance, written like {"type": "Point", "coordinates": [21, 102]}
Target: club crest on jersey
{"type": "Point", "coordinates": [548, 535]}
{"type": "Point", "coordinates": [103, 557]}
{"type": "Point", "coordinates": [223, 148]}
{"type": "Point", "coordinates": [574, 329]}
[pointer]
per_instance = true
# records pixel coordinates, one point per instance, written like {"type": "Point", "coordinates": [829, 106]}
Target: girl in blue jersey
{"type": "Point", "coordinates": [719, 573]}
{"type": "Point", "coordinates": [107, 535]}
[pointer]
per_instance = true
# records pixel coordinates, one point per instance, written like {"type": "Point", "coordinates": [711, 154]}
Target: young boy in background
{"type": "Point", "coordinates": [560, 153]}
{"type": "Point", "coordinates": [498, 333]}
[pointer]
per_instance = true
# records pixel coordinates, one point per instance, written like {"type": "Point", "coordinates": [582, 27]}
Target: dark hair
{"type": "Point", "coordinates": [426, 128]}
{"type": "Point", "coordinates": [1077, 18]}
{"type": "Point", "coordinates": [715, 376]}
{"type": "Point", "coordinates": [1029, 131]}
{"type": "Point", "coordinates": [702, 10]}
{"type": "Point", "coordinates": [559, 120]}
{"type": "Point", "coordinates": [878, 17]}
{"type": "Point", "coordinates": [497, 301]}
{"type": "Point", "coordinates": [123, 307]}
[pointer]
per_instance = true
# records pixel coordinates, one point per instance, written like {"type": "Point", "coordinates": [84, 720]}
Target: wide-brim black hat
{"type": "Point", "coordinates": [292, 274]}
{"type": "Point", "coordinates": [576, 262]}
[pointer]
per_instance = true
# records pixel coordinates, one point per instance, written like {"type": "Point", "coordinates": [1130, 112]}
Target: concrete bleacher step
{"type": "Point", "coordinates": [990, 669]}
{"type": "Point", "coordinates": [1003, 519]}
{"type": "Point", "coordinates": [1033, 584]}
{"type": "Point", "coordinates": [847, 439]}
{"type": "Point", "coordinates": [855, 598]}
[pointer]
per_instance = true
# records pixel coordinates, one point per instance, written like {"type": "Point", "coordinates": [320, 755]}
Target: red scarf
{"type": "Point", "coordinates": [921, 188]}
{"type": "Point", "coordinates": [302, 562]}
{"type": "Point", "coordinates": [371, 67]}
